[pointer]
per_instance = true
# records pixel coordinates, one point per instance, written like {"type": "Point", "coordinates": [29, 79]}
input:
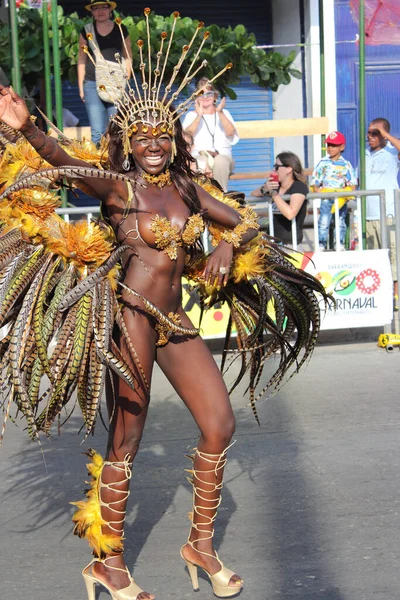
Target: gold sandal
{"type": "Point", "coordinates": [89, 522]}
{"type": "Point", "coordinates": [220, 580]}
{"type": "Point", "coordinates": [128, 593]}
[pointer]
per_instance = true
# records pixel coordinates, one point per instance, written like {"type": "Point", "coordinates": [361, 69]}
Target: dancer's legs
{"type": "Point", "coordinates": [191, 369]}
{"type": "Point", "coordinates": [128, 411]}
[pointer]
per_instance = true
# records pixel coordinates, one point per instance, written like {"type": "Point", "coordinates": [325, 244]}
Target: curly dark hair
{"type": "Point", "coordinates": [181, 173]}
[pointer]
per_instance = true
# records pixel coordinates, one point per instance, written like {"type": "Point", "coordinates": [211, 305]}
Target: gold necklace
{"type": "Point", "coordinates": [160, 180]}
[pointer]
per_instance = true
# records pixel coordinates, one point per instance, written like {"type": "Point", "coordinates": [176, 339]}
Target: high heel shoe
{"type": "Point", "coordinates": [219, 581]}
{"type": "Point", "coordinates": [128, 593]}
{"type": "Point", "coordinates": [89, 522]}
{"type": "Point", "coordinates": [203, 522]}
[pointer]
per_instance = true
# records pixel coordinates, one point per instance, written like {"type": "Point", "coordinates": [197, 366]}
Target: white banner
{"type": "Point", "coordinates": [35, 3]}
{"type": "Point", "coordinates": [360, 282]}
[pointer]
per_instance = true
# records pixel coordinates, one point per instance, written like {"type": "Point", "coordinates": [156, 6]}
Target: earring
{"type": "Point", "coordinates": [173, 150]}
{"type": "Point", "coordinates": [126, 165]}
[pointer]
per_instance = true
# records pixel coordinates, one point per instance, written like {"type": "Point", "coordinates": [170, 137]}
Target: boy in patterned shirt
{"type": "Point", "coordinates": [333, 173]}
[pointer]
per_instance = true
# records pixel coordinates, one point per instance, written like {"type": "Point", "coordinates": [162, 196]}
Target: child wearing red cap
{"type": "Point", "coordinates": [333, 173]}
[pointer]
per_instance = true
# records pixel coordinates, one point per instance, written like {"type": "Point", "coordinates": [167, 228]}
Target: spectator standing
{"type": "Point", "coordinates": [333, 173]}
{"type": "Point", "coordinates": [109, 41]}
{"type": "Point", "coordinates": [288, 179]}
{"type": "Point", "coordinates": [381, 169]}
{"type": "Point", "coordinates": [214, 132]}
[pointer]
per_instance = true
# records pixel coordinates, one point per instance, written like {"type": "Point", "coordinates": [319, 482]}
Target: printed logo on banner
{"type": "Point", "coordinates": [361, 284]}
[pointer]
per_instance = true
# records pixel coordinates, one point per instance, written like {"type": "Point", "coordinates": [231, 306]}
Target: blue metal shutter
{"type": "Point", "coordinates": [382, 81]}
{"type": "Point", "coordinates": [250, 155]}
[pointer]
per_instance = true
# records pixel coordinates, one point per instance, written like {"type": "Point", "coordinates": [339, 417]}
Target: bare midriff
{"type": "Point", "coordinates": [149, 270]}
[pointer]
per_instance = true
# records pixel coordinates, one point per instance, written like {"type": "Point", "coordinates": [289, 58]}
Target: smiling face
{"type": "Point", "coordinates": [151, 153]}
{"type": "Point", "coordinates": [207, 99]}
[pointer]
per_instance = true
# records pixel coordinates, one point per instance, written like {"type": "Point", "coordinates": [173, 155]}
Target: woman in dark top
{"type": "Point", "coordinates": [109, 41]}
{"type": "Point", "coordinates": [289, 180]}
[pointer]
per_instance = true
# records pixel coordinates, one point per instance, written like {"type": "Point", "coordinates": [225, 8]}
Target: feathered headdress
{"type": "Point", "coordinates": [144, 102]}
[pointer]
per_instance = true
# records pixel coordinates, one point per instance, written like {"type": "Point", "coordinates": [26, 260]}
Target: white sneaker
{"type": "Point", "coordinates": [321, 248]}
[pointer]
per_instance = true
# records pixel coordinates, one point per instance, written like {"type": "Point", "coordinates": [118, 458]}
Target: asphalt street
{"type": "Point", "coordinates": [311, 505]}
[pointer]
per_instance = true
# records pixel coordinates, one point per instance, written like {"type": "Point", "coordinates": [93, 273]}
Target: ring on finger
{"type": "Point", "coordinates": [222, 270]}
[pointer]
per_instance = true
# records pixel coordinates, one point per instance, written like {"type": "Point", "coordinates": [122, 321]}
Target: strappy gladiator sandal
{"type": "Point", "coordinates": [220, 580]}
{"type": "Point", "coordinates": [129, 593]}
{"type": "Point", "coordinates": [89, 522]}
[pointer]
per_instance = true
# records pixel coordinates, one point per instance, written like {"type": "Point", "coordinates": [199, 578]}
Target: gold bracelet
{"type": "Point", "coordinates": [248, 220]}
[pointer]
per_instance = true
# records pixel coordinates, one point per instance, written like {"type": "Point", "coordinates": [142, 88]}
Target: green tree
{"type": "Point", "coordinates": [224, 45]}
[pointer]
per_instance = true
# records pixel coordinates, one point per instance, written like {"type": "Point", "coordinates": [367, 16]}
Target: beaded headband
{"type": "Point", "coordinates": [144, 103]}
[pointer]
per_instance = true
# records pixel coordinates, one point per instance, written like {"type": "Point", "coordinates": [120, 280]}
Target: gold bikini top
{"type": "Point", "coordinates": [168, 237]}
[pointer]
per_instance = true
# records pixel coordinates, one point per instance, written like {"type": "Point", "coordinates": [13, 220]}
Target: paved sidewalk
{"type": "Point", "coordinates": [311, 504]}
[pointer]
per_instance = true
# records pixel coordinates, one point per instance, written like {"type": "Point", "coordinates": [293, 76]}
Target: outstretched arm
{"type": "Point", "coordinates": [15, 114]}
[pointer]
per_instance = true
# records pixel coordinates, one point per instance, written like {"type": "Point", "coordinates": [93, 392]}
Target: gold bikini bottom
{"type": "Point", "coordinates": [167, 325]}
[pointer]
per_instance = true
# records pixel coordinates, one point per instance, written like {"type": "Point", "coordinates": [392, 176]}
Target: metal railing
{"type": "Point", "coordinates": [89, 211]}
{"type": "Point", "coordinates": [315, 198]}
{"type": "Point", "coordinates": [83, 211]}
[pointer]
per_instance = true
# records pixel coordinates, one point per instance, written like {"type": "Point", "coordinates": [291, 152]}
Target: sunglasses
{"type": "Point", "coordinates": [373, 133]}
{"type": "Point", "coordinates": [207, 95]}
{"type": "Point", "coordinates": [276, 167]}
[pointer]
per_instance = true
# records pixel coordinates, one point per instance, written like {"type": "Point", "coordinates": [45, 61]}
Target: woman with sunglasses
{"type": "Point", "coordinates": [214, 133]}
{"type": "Point", "coordinates": [109, 42]}
{"type": "Point", "coordinates": [286, 179]}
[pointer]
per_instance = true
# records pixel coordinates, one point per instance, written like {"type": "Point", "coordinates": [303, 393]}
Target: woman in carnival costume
{"type": "Point", "coordinates": [58, 284]}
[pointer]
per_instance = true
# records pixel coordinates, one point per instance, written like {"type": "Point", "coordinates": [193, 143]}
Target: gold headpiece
{"type": "Point", "coordinates": [144, 102]}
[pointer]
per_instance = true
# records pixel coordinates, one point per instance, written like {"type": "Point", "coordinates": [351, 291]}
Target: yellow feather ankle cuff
{"type": "Point", "coordinates": [88, 520]}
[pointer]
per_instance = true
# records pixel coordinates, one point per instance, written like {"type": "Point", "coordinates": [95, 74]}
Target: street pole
{"type": "Point", "coordinates": [47, 67]}
{"type": "Point", "coordinates": [322, 66]}
{"type": "Point", "coordinates": [362, 131]}
{"type": "Point", "coordinates": [57, 80]}
{"type": "Point", "coordinates": [16, 67]}
{"type": "Point", "coordinates": [56, 64]}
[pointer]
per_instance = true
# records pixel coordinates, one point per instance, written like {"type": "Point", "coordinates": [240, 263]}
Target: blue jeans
{"type": "Point", "coordinates": [99, 112]}
{"type": "Point", "coordinates": [324, 221]}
